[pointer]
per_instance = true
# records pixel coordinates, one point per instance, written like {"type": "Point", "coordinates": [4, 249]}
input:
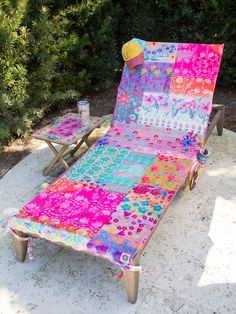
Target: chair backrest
{"type": "Point", "coordinates": [173, 88]}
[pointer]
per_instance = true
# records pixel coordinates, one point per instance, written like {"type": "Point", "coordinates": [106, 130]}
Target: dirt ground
{"type": "Point", "coordinates": [102, 104]}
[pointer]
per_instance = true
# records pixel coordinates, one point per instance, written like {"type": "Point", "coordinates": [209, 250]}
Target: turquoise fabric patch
{"type": "Point", "coordinates": [111, 168]}
{"type": "Point", "coordinates": [127, 173]}
{"type": "Point", "coordinates": [98, 162]}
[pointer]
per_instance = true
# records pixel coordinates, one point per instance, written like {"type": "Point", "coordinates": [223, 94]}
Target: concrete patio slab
{"type": "Point", "coordinates": [188, 265]}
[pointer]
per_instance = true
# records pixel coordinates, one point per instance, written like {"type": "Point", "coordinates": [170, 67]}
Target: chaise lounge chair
{"type": "Point", "coordinates": [109, 203]}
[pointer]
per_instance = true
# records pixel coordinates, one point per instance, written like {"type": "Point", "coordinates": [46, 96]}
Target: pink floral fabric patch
{"type": "Point", "coordinates": [72, 206]}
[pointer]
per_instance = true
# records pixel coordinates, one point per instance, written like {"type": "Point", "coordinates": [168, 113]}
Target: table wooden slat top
{"type": "Point", "coordinates": [67, 129]}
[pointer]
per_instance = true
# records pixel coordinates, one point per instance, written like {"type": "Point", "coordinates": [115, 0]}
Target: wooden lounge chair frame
{"type": "Point", "coordinates": [217, 120]}
{"type": "Point", "coordinates": [131, 273]}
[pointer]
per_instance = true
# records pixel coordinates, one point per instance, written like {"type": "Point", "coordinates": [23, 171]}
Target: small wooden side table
{"type": "Point", "coordinates": [66, 130]}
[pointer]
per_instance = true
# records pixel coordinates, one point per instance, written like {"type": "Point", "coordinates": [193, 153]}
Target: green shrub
{"type": "Point", "coordinates": [14, 117]}
{"type": "Point", "coordinates": [201, 21]}
{"type": "Point", "coordinates": [59, 50]}
{"type": "Point", "coordinates": [51, 51]}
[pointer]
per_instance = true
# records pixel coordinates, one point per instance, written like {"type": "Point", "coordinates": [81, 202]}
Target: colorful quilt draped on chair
{"type": "Point", "coordinates": [110, 201]}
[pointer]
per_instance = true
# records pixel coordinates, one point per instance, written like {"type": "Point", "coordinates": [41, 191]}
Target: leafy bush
{"type": "Point", "coordinates": [51, 52]}
{"type": "Point", "coordinates": [67, 56]}
{"type": "Point", "coordinates": [206, 21]}
{"type": "Point", "coordinates": [14, 119]}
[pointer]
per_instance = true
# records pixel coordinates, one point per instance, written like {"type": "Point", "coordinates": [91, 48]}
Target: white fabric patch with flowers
{"type": "Point", "coordinates": [186, 113]}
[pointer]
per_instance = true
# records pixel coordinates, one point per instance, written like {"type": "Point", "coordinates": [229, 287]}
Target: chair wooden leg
{"type": "Point", "coordinates": [20, 242]}
{"type": "Point", "coordinates": [220, 123]}
{"type": "Point", "coordinates": [131, 281]}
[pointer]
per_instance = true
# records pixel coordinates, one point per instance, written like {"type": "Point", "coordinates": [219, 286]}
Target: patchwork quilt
{"type": "Point", "coordinates": [110, 201]}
